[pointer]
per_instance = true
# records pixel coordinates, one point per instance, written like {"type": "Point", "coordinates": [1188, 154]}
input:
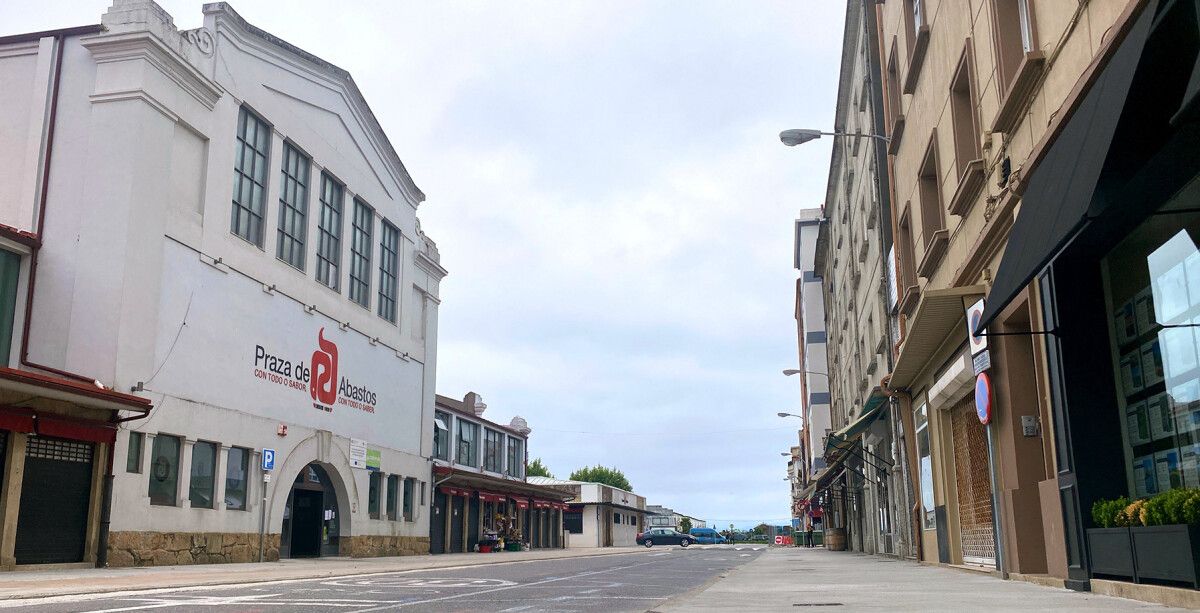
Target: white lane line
{"type": "Point", "coordinates": [209, 600]}
{"type": "Point", "coordinates": [501, 589]}
{"type": "Point", "coordinates": [515, 609]}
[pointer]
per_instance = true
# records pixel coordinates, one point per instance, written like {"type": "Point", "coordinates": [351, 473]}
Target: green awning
{"type": "Point", "coordinates": [844, 439]}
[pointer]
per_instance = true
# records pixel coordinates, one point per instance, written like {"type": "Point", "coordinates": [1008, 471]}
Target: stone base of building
{"type": "Point", "coordinates": [373, 546]}
{"type": "Point", "coordinates": [170, 548]}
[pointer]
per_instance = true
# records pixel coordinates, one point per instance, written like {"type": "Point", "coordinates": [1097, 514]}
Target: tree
{"type": "Point", "coordinates": [602, 474]}
{"type": "Point", "coordinates": [537, 469]}
{"type": "Point", "coordinates": [685, 525]}
{"type": "Point", "coordinates": [761, 529]}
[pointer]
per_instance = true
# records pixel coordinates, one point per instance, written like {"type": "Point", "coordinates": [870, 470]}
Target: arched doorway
{"type": "Point", "coordinates": [310, 519]}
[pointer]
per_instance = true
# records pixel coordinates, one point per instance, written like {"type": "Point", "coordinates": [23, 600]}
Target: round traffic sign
{"type": "Point", "coordinates": [983, 398]}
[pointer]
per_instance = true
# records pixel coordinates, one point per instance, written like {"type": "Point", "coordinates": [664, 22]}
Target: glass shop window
{"type": "Point", "coordinates": [1152, 293]}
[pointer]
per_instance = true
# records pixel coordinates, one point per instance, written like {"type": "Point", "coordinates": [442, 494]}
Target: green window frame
{"type": "Point", "coordinates": [202, 485]}
{"type": "Point", "coordinates": [237, 471]}
{"type": "Point", "coordinates": [375, 480]}
{"type": "Point", "coordinates": [329, 233]}
{"type": "Point", "coordinates": [164, 470]}
{"type": "Point", "coordinates": [133, 455]}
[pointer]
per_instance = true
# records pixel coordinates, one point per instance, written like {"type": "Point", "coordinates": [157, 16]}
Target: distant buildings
{"type": "Point", "coordinates": [663, 517]}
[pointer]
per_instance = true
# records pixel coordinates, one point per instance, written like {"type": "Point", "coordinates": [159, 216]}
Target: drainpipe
{"type": "Point", "coordinates": [106, 495]}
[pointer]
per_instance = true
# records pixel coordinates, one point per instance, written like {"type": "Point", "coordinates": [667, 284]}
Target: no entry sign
{"type": "Point", "coordinates": [983, 398]}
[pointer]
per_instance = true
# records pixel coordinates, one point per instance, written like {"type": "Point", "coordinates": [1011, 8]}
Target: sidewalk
{"type": "Point", "coordinates": [37, 584]}
{"type": "Point", "coordinates": [796, 579]}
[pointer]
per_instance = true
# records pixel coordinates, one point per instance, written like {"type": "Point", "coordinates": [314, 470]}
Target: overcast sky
{"type": "Point", "coordinates": [607, 189]}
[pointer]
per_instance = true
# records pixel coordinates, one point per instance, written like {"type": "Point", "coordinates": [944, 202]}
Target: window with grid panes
{"type": "Point", "coordinates": [360, 253]}
{"type": "Point", "coordinates": [293, 207]}
{"type": "Point", "coordinates": [249, 179]}
{"type": "Point", "coordinates": [329, 233]}
{"type": "Point", "coordinates": [389, 267]}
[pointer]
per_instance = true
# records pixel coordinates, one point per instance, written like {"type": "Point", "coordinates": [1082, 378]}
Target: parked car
{"type": "Point", "coordinates": [664, 536]}
{"type": "Point", "coordinates": [707, 536]}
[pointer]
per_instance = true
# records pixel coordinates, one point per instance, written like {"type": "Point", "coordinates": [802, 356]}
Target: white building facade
{"type": "Point", "coordinates": [226, 231]}
{"type": "Point", "coordinates": [807, 460]}
{"type": "Point", "coordinates": [599, 515]}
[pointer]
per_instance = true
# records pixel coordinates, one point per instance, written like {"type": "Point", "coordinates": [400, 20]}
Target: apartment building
{"type": "Point", "coordinates": [869, 494]}
{"type": "Point", "coordinates": [213, 222]}
{"type": "Point", "coordinates": [807, 463]}
{"type": "Point", "coordinates": [978, 97]}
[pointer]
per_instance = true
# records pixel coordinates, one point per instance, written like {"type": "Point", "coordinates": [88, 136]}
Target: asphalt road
{"type": "Point", "coordinates": [626, 582]}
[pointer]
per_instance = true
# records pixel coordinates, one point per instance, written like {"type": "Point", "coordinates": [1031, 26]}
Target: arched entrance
{"type": "Point", "coordinates": [310, 519]}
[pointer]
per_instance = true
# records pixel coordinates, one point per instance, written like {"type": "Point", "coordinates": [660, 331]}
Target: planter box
{"type": "Point", "coordinates": [1167, 553]}
{"type": "Point", "coordinates": [1111, 552]}
{"type": "Point", "coordinates": [512, 547]}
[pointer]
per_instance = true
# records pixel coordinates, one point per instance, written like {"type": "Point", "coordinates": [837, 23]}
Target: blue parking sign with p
{"type": "Point", "coordinates": [268, 457]}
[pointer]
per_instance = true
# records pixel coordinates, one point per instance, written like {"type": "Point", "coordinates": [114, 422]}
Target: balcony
{"type": "Point", "coordinates": [968, 189]}
{"type": "Point", "coordinates": [935, 250]}
{"type": "Point", "coordinates": [1012, 108]}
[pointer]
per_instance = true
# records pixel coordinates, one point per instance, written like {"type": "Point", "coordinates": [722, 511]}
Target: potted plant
{"type": "Point", "coordinates": [1167, 546]}
{"type": "Point", "coordinates": [1110, 543]}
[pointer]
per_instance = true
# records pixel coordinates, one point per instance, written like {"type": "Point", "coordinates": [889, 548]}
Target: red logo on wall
{"type": "Point", "coordinates": [324, 384]}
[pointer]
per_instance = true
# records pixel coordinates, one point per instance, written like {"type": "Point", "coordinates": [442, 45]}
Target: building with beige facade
{"type": "Point", "coordinates": [976, 94]}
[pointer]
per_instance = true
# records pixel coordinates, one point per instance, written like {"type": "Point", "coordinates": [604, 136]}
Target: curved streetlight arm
{"type": "Point", "coordinates": [795, 137]}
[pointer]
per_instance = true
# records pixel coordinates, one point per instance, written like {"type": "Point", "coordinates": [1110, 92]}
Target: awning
{"type": "Point", "coordinates": [940, 313]}
{"type": "Point", "coordinates": [1057, 203]}
{"type": "Point", "coordinates": [806, 493]}
{"type": "Point", "coordinates": [455, 491]}
{"type": "Point", "coordinates": [844, 438]}
{"type": "Point", "coordinates": [92, 395]}
{"type": "Point", "coordinates": [76, 429]}
{"type": "Point", "coordinates": [16, 419]}
{"type": "Point", "coordinates": [492, 497]}
{"type": "Point", "coordinates": [522, 503]}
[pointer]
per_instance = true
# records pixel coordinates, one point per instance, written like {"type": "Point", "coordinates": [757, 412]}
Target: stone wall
{"type": "Point", "coordinates": [372, 546]}
{"type": "Point", "coordinates": [167, 548]}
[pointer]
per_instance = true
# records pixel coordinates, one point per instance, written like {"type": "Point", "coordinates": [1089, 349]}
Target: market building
{"type": "Point", "coordinates": [220, 228]}
{"type": "Point", "coordinates": [599, 515]}
{"type": "Point", "coordinates": [481, 495]}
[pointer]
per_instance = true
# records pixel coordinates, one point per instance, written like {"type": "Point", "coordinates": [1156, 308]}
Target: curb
{"type": "Point", "coordinates": [60, 590]}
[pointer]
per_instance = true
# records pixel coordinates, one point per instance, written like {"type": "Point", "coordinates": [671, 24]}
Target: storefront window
{"type": "Point", "coordinates": [393, 488]}
{"type": "Point", "coordinates": [10, 272]}
{"type": "Point", "coordinates": [237, 465]}
{"type": "Point", "coordinates": [164, 470]}
{"type": "Point", "coordinates": [928, 515]}
{"type": "Point", "coordinates": [374, 481]}
{"type": "Point", "coordinates": [204, 462]}
{"type": "Point", "coordinates": [1152, 290]}
{"type": "Point", "coordinates": [133, 457]}
{"type": "Point", "coordinates": [409, 486]}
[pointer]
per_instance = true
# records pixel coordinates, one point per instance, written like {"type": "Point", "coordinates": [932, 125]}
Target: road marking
{"type": "Point", "coordinates": [208, 600]}
{"type": "Point", "coordinates": [520, 608]}
{"type": "Point", "coordinates": [744, 555]}
{"type": "Point", "coordinates": [501, 589]}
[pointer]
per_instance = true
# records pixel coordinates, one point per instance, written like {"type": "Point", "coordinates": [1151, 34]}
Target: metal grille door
{"type": "Point", "coordinates": [974, 485]}
{"type": "Point", "coordinates": [55, 492]}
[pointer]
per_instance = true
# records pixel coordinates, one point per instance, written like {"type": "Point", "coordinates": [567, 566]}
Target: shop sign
{"type": "Point", "coordinates": [358, 453]}
{"type": "Point", "coordinates": [372, 459]}
{"type": "Point", "coordinates": [268, 356]}
{"type": "Point", "coordinates": [983, 398]}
